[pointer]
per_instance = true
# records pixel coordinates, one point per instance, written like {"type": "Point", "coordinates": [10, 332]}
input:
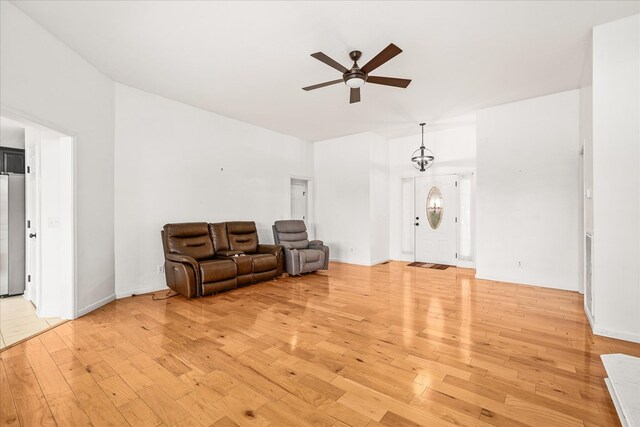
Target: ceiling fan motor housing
{"type": "Point", "coordinates": [354, 72]}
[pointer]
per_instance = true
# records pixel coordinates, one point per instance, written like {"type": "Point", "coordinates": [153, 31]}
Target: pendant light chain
{"type": "Point", "coordinates": [425, 159]}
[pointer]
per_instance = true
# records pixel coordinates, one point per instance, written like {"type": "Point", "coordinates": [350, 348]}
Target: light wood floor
{"type": "Point", "coordinates": [388, 345]}
{"type": "Point", "coordinates": [18, 320]}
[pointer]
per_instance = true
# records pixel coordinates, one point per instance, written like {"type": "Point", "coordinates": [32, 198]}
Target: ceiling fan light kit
{"type": "Point", "coordinates": [356, 77]}
{"type": "Point", "coordinates": [423, 158]}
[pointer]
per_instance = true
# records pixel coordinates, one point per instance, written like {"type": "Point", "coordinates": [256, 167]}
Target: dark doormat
{"type": "Point", "coordinates": [428, 265]}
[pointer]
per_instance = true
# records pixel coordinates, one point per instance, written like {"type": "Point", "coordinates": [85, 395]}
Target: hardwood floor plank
{"type": "Point", "coordinates": [165, 407]}
{"type": "Point", "coordinates": [95, 402]}
{"type": "Point", "coordinates": [353, 346]}
{"type": "Point", "coordinates": [138, 413]}
{"type": "Point", "coordinates": [8, 412]}
{"type": "Point", "coordinates": [67, 411]}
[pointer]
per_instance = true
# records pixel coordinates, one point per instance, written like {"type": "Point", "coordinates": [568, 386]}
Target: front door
{"type": "Point", "coordinates": [435, 219]}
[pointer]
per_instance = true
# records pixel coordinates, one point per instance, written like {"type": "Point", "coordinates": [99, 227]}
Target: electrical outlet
{"type": "Point", "coordinates": [159, 268]}
{"type": "Point", "coordinates": [351, 249]}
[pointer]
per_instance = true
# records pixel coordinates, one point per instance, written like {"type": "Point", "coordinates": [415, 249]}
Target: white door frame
{"type": "Point", "coordinates": [32, 215]}
{"type": "Point", "coordinates": [310, 222]}
{"type": "Point", "coordinates": [44, 125]}
{"type": "Point", "coordinates": [459, 262]}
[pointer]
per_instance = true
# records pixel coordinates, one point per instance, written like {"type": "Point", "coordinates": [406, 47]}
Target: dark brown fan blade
{"type": "Point", "coordinates": [355, 95]}
{"type": "Point", "coordinates": [386, 54]}
{"type": "Point", "coordinates": [388, 81]}
{"type": "Point", "coordinates": [319, 85]}
{"type": "Point", "coordinates": [330, 62]}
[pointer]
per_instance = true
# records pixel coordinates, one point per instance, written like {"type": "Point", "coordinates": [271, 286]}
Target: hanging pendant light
{"type": "Point", "coordinates": [423, 158]}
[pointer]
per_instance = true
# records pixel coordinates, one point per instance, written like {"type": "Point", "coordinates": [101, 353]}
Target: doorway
{"type": "Point", "coordinates": [43, 294]}
{"type": "Point", "coordinates": [436, 216]}
{"type": "Point", "coordinates": [299, 199]}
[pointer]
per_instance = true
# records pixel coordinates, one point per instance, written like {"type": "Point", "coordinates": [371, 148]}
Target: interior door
{"type": "Point", "coordinates": [32, 223]}
{"type": "Point", "coordinates": [435, 219]}
{"type": "Point", "coordinates": [299, 200]}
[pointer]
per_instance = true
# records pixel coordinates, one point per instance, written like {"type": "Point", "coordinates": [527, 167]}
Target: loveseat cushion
{"type": "Point", "coordinates": [243, 264]}
{"type": "Point", "coordinates": [189, 238]}
{"type": "Point", "coordinates": [242, 236]}
{"type": "Point", "coordinates": [264, 262]}
{"type": "Point", "coordinates": [217, 270]}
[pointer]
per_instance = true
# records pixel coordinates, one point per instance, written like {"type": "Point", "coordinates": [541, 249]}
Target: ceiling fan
{"type": "Point", "coordinates": [356, 77]}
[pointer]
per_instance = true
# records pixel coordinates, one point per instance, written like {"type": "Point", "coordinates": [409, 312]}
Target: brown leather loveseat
{"type": "Point", "coordinates": [202, 259]}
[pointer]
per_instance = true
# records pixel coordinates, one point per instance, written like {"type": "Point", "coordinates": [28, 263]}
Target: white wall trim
{"type": "Point", "coordinates": [587, 312]}
{"type": "Point", "coordinates": [343, 261]}
{"type": "Point", "coordinates": [620, 335]}
{"type": "Point", "coordinates": [525, 283]}
{"type": "Point", "coordinates": [131, 292]}
{"type": "Point", "coordinates": [371, 264]}
{"type": "Point", "coordinates": [96, 305]}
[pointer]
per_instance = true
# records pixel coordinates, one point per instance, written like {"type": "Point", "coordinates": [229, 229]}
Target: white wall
{"type": "Point", "coordinates": [177, 163]}
{"type": "Point", "coordinates": [379, 200]}
{"type": "Point", "coordinates": [56, 235]}
{"type": "Point", "coordinates": [342, 172]}
{"type": "Point", "coordinates": [616, 178]}
{"type": "Point", "coordinates": [42, 80]}
{"type": "Point", "coordinates": [455, 151]}
{"type": "Point", "coordinates": [528, 191]}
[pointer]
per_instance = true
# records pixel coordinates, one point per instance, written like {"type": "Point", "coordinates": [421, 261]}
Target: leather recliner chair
{"type": "Point", "coordinates": [300, 254]}
{"type": "Point", "coordinates": [200, 260]}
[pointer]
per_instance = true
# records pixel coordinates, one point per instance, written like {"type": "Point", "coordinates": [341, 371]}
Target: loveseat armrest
{"type": "Point", "coordinates": [270, 249]}
{"type": "Point", "coordinates": [227, 254]}
{"type": "Point", "coordinates": [274, 250]}
{"type": "Point", "coordinates": [190, 264]}
{"type": "Point", "coordinates": [315, 243]}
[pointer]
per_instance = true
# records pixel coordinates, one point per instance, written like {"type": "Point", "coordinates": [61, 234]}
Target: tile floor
{"type": "Point", "coordinates": [18, 320]}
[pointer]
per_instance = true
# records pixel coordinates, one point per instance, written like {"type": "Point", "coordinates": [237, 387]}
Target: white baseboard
{"type": "Point", "coordinates": [619, 335]}
{"type": "Point", "coordinates": [139, 291]}
{"type": "Point", "coordinates": [348, 261]}
{"type": "Point", "coordinates": [366, 264]}
{"type": "Point", "coordinates": [597, 330]}
{"type": "Point", "coordinates": [587, 312]}
{"type": "Point", "coordinates": [95, 305]}
{"type": "Point", "coordinates": [482, 276]}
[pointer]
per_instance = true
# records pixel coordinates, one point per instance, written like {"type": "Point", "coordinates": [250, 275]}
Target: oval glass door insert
{"type": "Point", "coordinates": [434, 208]}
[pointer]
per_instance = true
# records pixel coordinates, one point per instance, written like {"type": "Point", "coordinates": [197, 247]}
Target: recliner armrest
{"type": "Point", "coordinates": [227, 254]}
{"type": "Point", "coordinates": [316, 243]}
{"type": "Point", "coordinates": [185, 259]}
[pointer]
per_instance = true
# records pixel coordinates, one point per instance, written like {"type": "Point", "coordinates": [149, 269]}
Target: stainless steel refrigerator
{"type": "Point", "coordinates": [12, 235]}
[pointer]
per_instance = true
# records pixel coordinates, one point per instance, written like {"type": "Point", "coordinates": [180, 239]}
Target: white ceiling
{"type": "Point", "coordinates": [249, 60]}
